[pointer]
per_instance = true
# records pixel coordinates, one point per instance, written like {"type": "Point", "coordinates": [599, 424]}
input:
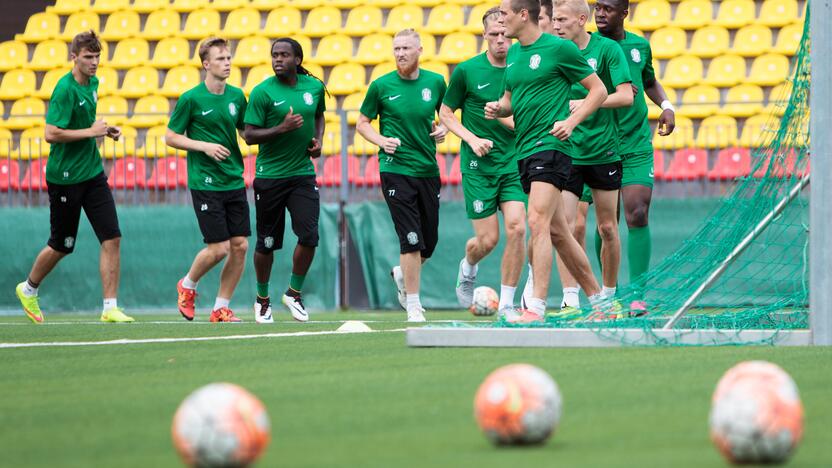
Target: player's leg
{"type": "Point", "coordinates": [427, 200]}
{"type": "Point", "coordinates": [304, 207]}
{"type": "Point", "coordinates": [481, 207]}
{"type": "Point", "coordinates": [270, 197]}
{"type": "Point", "coordinates": [573, 256]}
{"type": "Point", "coordinates": [514, 221]}
{"type": "Point", "coordinates": [239, 228]}
{"type": "Point", "coordinates": [606, 203]}
{"type": "Point", "coordinates": [636, 195]}
{"type": "Point", "coordinates": [568, 282]}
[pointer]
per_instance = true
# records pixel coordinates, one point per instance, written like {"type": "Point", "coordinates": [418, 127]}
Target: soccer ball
{"type": "Point", "coordinates": [486, 301]}
{"type": "Point", "coordinates": [518, 404]}
{"type": "Point", "coordinates": [756, 414]}
{"type": "Point", "coordinates": [220, 424]}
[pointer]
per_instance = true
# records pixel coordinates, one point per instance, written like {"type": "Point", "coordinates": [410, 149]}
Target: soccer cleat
{"type": "Point", "coordinates": [605, 311]}
{"type": "Point", "coordinates": [528, 291]}
{"type": "Point", "coordinates": [223, 314]}
{"type": "Point", "coordinates": [398, 278]}
{"type": "Point", "coordinates": [295, 305]}
{"type": "Point", "coordinates": [416, 316]}
{"type": "Point", "coordinates": [263, 310]}
{"type": "Point", "coordinates": [527, 316]}
{"type": "Point", "coordinates": [638, 309]}
{"type": "Point", "coordinates": [30, 304]}
{"type": "Point", "coordinates": [187, 297]}
{"type": "Point", "coordinates": [566, 313]}
{"type": "Point", "coordinates": [115, 315]}
{"type": "Point", "coordinates": [508, 313]}
{"type": "Point", "coordinates": [464, 287]}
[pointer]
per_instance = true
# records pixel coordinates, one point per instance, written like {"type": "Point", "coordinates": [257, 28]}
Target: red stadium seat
{"type": "Point", "coordinates": [443, 168]}
{"type": "Point", "coordinates": [128, 173]}
{"type": "Point", "coordinates": [783, 167]}
{"type": "Point", "coordinates": [169, 173]}
{"type": "Point", "coordinates": [34, 179]}
{"type": "Point", "coordinates": [372, 178]}
{"type": "Point", "coordinates": [658, 164]}
{"type": "Point", "coordinates": [730, 164]}
{"type": "Point", "coordinates": [332, 172]}
{"type": "Point", "coordinates": [9, 175]}
{"type": "Point", "coordinates": [688, 164]}
{"type": "Point", "coordinates": [455, 177]}
{"type": "Point", "coordinates": [354, 171]}
{"type": "Point", "coordinates": [249, 169]}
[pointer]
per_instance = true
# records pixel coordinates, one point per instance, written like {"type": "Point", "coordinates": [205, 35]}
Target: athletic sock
{"type": "Point", "coordinates": [608, 292]}
{"type": "Point", "coordinates": [296, 282]}
{"type": "Point", "coordinates": [468, 269]}
{"type": "Point", "coordinates": [507, 296]}
{"type": "Point", "coordinates": [570, 298]}
{"type": "Point", "coordinates": [110, 303]}
{"type": "Point", "coordinates": [29, 290]}
{"type": "Point", "coordinates": [413, 303]}
{"type": "Point", "coordinates": [596, 299]}
{"type": "Point", "coordinates": [292, 293]}
{"type": "Point", "coordinates": [536, 306]}
{"type": "Point", "coordinates": [639, 247]}
{"type": "Point", "coordinates": [188, 283]}
{"type": "Point", "coordinates": [221, 302]}
{"type": "Point", "coordinates": [263, 289]}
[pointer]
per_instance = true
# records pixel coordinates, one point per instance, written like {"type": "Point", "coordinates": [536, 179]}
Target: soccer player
{"type": "Point", "coordinates": [406, 102]}
{"type": "Point", "coordinates": [596, 162]}
{"type": "Point", "coordinates": [489, 170]}
{"type": "Point", "coordinates": [75, 180]}
{"type": "Point", "coordinates": [205, 124]}
{"type": "Point", "coordinates": [286, 118]}
{"type": "Point", "coordinates": [540, 69]}
{"type": "Point", "coordinates": [636, 137]}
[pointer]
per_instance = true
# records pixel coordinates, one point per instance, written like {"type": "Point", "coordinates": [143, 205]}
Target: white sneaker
{"type": "Point", "coordinates": [416, 316]}
{"type": "Point", "coordinates": [465, 287]}
{"type": "Point", "coordinates": [262, 315]}
{"type": "Point", "coordinates": [295, 305]}
{"type": "Point", "coordinates": [508, 313]}
{"type": "Point", "coordinates": [528, 291]}
{"type": "Point", "coordinates": [398, 278]}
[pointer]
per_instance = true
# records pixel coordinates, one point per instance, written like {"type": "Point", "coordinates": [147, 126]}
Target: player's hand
{"type": "Point", "coordinates": [562, 130]}
{"type": "Point", "coordinates": [215, 151]}
{"type": "Point", "coordinates": [492, 110]}
{"type": "Point", "coordinates": [314, 148]}
{"type": "Point", "coordinates": [438, 133]}
{"type": "Point", "coordinates": [667, 122]}
{"type": "Point", "coordinates": [99, 128]}
{"type": "Point", "coordinates": [480, 146]}
{"type": "Point", "coordinates": [574, 105]}
{"type": "Point", "coordinates": [114, 133]}
{"type": "Point", "coordinates": [389, 145]}
{"type": "Point", "coordinates": [291, 122]}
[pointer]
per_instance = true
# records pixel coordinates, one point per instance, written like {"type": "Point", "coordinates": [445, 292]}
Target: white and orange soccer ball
{"type": "Point", "coordinates": [485, 303]}
{"type": "Point", "coordinates": [518, 404]}
{"type": "Point", "coordinates": [756, 414]}
{"type": "Point", "coordinates": [220, 424]}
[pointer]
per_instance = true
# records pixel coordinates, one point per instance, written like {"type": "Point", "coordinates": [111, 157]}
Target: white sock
{"type": "Point", "coordinates": [221, 302]}
{"type": "Point", "coordinates": [531, 277]}
{"type": "Point", "coordinates": [187, 283]}
{"type": "Point", "coordinates": [468, 269]}
{"type": "Point", "coordinates": [110, 303]}
{"type": "Point", "coordinates": [608, 292]}
{"type": "Point", "coordinates": [596, 298]}
{"type": "Point", "coordinates": [413, 303]}
{"type": "Point", "coordinates": [507, 295]}
{"type": "Point", "coordinates": [536, 306]}
{"type": "Point", "coordinates": [571, 298]}
{"type": "Point", "coordinates": [28, 290]}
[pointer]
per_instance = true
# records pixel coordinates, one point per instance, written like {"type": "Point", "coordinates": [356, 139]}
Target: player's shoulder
{"type": "Point", "coordinates": [192, 93]}
{"type": "Point", "coordinates": [632, 38]}
{"type": "Point", "coordinates": [431, 77]}
{"type": "Point", "coordinates": [603, 41]}
{"type": "Point", "coordinates": [262, 86]}
{"type": "Point", "coordinates": [472, 62]}
{"type": "Point", "coordinates": [234, 91]}
{"type": "Point", "coordinates": [64, 83]}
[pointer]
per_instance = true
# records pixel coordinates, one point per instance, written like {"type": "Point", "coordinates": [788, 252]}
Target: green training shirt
{"type": "Point", "coordinates": [270, 101]}
{"type": "Point", "coordinates": [214, 118]}
{"type": "Point", "coordinates": [636, 136]}
{"type": "Point", "coordinates": [539, 77]}
{"type": "Point", "coordinates": [475, 82]}
{"type": "Point", "coordinates": [406, 110]}
{"type": "Point", "coordinates": [73, 107]}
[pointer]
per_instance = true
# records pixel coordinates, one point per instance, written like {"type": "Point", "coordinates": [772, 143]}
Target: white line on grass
{"type": "Point", "coordinates": [181, 340]}
{"type": "Point", "coordinates": [182, 322]}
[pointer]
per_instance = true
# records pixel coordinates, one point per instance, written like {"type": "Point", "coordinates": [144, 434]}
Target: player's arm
{"type": "Point", "coordinates": [597, 94]}
{"type": "Point", "coordinates": [480, 146]}
{"type": "Point", "coordinates": [256, 135]}
{"type": "Point", "coordinates": [54, 134]}
{"type": "Point", "coordinates": [179, 141]}
{"type": "Point", "coordinates": [317, 141]}
{"type": "Point", "coordinates": [508, 122]}
{"type": "Point", "coordinates": [499, 109]}
{"type": "Point", "coordinates": [622, 97]}
{"type": "Point", "coordinates": [365, 128]}
{"type": "Point", "coordinates": [667, 120]}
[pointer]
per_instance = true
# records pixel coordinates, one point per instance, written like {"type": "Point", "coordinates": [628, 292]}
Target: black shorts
{"type": "Point", "coordinates": [598, 176]}
{"type": "Point", "coordinates": [414, 206]}
{"type": "Point", "coordinates": [221, 214]}
{"type": "Point", "coordinates": [550, 166]}
{"type": "Point", "coordinates": [65, 204]}
{"type": "Point", "coordinates": [272, 197]}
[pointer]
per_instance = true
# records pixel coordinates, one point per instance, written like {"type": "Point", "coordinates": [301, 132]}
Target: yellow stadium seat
{"type": "Point", "coordinates": [306, 4]}
{"type": "Point", "coordinates": [80, 22]}
{"type": "Point", "coordinates": [154, 144]}
{"type": "Point", "coordinates": [13, 54]}
{"type": "Point", "coordinates": [457, 47]}
{"type": "Point", "coordinates": [332, 141]}
{"type": "Point", "coordinates": [147, 6]}
{"type": "Point", "coordinates": [362, 147]}
{"type": "Point", "coordinates": [436, 67]}
{"type": "Point", "coordinates": [333, 49]}
{"type": "Point", "coordinates": [235, 78]}
{"type": "Point", "coordinates": [428, 46]}
{"type": "Point", "coordinates": [112, 109]}
{"type": "Point", "coordinates": [241, 23]}
{"type": "Point", "coordinates": [251, 51]}
{"type": "Point", "coordinates": [17, 84]}
{"type": "Point", "coordinates": [32, 144]}
{"type": "Point", "coordinates": [710, 41]}
{"type": "Point", "coordinates": [726, 70]}
{"type": "Point", "coordinates": [41, 26]}
{"type": "Point", "coordinates": [138, 82]}
{"type": "Point", "coordinates": [107, 81]}
{"type": "Point", "coordinates": [346, 4]}
{"type": "Point", "coordinates": [466, 2]}
{"type": "Point", "coordinates": [125, 146]}
{"type": "Point", "coordinates": [67, 7]}
{"type": "Point", "coordinates": [654, 111]}
{"type": "Point", "coordinates": [201, 24]}
{"type": "Point", "coordinates": [381, 70]}
{"type": "Point", "coordinates": [403, 17]}
{"type": "Point", "coordinates": [668, 42]}
{"type": "Point", "coordinates": [346, 78]}
{"type": "Point", "coordinates": [736, 13]}
{"type": "Point", "coordinates": [189, 5]}
{"type": "Point", "coordinates": [693, 14]}
{"type": "Point", "coordinates": [26, 113]}
{"type": "Point", "coordinates": [267, 5]}
{"type": "Point", "coordinates": [717, 131]}
{"type": "Point", "coordinates": [752, 40]}
{"type": "Point", "coordinates": [699, 101]}
{"type": "Point", "coordinates": [444, 19]}
{"type": "Point", "coordinates": [283, 22]}
{"type": "Point", "coordinates": [5, 139]}
{"type": "Point", "coordinates": [161, 24]}
{"type": "Point", "coordinates": [331, 103]}
{"type": "Point", "coordinates": [314, 69]}
{"type": "Point", "coordinates": [170, 52]}
{"type": "Point", "coordinates": [374, 49]}
{"type": "Point", "coordinates": [682, 136]}
{"type": "Point", "coordinates": [426, 3]}
{"type": "Point", "coordinates": [49, 54]}
{"type": "Point", "coordinates": [788, 39]}
{"type": "Point", "coordinates": [110, 6]}
{"type": "Point", "coordinates": [257, 75]}
{"type": "Point", "coordinates": [351, 104]}
{"type": "Point", "coordinates": [121, 25]}
{"type": "Point", "coordinates": [229, 5]}
{"type": "Point", "coordinates": [743, 100]}
{"type": "Point", "coordinates": [150, 111]}
{"type": "Point", "coordinates": [778, 13]}
{"type": "Point", "coordinates": [450, 145]}
{"type": "Point", "coordinates": [778, 99]}
{"type": "Point", "coordinates": [651, 14]}
{"type": "Point", "coordinates": [474, 23]}
{"type": "Point", "coordinates": [363, 20]}
{"type": "Point", "coordinates": [682, 71]}
{"type": "Point", "coordinates": [178, 80]}
{"type": "Point", "coordinates": [130, 53]}
{"type": "Point", "coordinates": [758, 130]}
{"type": "Point", "coordinates": [50, 79]}
{"type": "Point", "coordinates": [769, 70]}
{"type": "Point", "coordinates": [322, 21]}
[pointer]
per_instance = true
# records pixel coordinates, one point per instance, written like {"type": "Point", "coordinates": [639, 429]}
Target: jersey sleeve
{"type": "Point", "coordinates": [181, 116]}
{"type": "Point", "coordinates": [619, 69]}
{"type": "Point", "coordinates": [255, 112]}
{"type": "Point", "coordinates": [60, 108]}
{"type": "Point", "coordinates": [321, 100]}
{"type": "Point", "coordinates": [370, 106]}
{"type": "Point", "coordinates": [457, 89]}
{"type": "Point", "coordinates": [648, 75]}
{"type": "Point", "coordinates": [241, 114]}
{"type": "Point", "coordinates": [571, 63]}
{"type": "Point", "coordinates": [441, 88]}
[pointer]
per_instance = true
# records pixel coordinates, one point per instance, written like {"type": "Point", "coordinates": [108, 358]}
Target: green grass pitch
{"type": "Point", "coordinates": [365, 400]}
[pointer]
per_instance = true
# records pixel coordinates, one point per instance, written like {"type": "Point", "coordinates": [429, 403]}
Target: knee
{"type": "Point", "coordinates": [579, 230]}
{"type": "Point", "coordinates": [515, 229]}
{"type": "Point", "coordinates": [637, 216]}
{"type": "Point", "coordinates": [558, 236]}
{"type": "Point", "coordinates": [538, 224]}
{"type": "Point", "coordinates": [238, 246]}
{"type": "Point", "coordinates": [488, 241]}
{"type": "Point", "coordinates": [608, 230]}
{"type": "Point", "coordinates": [220, 250]}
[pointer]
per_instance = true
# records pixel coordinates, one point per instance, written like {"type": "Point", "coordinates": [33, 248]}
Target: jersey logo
{"type": "Point", "coordinates": [510, 65]}
{"type": "Point", "coordinates": [69, 242]}
{"type": "Point", "coordinates": [232, 109]}
{"type": "Point", "coordinates": [307, 98]}
{"type": "Point", "coordinates": [612, 172]}
{"type": "Point", "coordinates": [651, 173]}
{"type": "Point", "coordinates": [426, 94]}
{"type": "Point", "coordinates": [393, 98]}
{"type": "Point", "coordinates": [277, 103]}
{"type": "Point", "coordinates": [207, 112]}
{"type": "Point", "coordinates": [81, 104]}
{"type": "Point", "coordinates": [636, 55]}
{"type": "Point", "coordinates": [478, 206]}
{"type": "Point", "coordinates": [481, 86]}
{"type": "Point", "coordinates": [534, 62]}
{"type": "Point", "coordinates": [268, 242]}
{"type": "Point", "coordinates": [593, 63]}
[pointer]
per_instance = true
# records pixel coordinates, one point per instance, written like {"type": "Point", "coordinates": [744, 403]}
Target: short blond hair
{"type": "Point", "coordinates": [206, 45]}
{"type": "Point", "coordinates": [580, 7]}
{"type": "Point", "coordinates": [409, 32]}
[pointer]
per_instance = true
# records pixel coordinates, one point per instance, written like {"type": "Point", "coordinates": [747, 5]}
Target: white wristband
{"type": "Point", "coordinates": [666, 105]}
